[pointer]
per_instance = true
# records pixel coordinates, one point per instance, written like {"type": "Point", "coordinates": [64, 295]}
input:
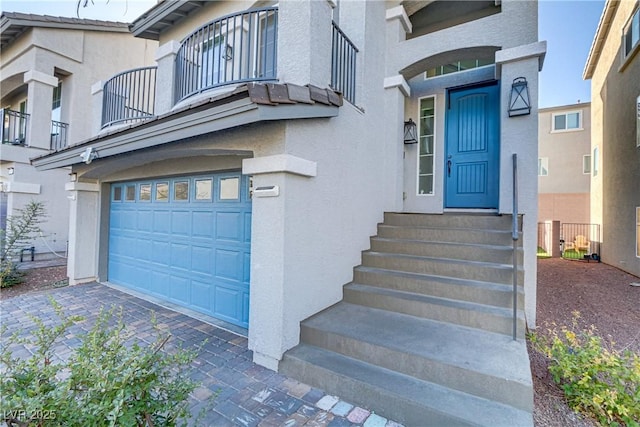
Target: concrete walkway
{"type": "Point", "coordinates": [247, 394]}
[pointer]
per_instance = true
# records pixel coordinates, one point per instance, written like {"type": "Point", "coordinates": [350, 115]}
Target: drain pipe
{"type": "Point", "coordinates": [514, 237]}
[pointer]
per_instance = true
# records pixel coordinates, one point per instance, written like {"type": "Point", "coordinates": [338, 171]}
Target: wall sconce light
{"type": "Point", "coordinates": [228, 52]}
{"type": "Point", "coordinates": [519, 103]}
{"type": "Point", "coordinates": [11, 171]}
{"type": "Point", "coordinates": [410, 132]}
{"type": "Point", "coordinates": [73, 177]}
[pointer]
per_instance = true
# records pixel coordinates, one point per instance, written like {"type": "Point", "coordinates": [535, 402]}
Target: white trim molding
{"type": "Point", "coordinates": [169, 48]}
{"type": "Point", "coordinates": [398, 12]}
{"type": "Point", "coordinates": [81, 186]}
{"type": "Point", "coordinates": [21, 187]}
{"type": "Point", "coordinates": [37, 76]}
{"type": "Point", "coordinates": [520, 53]}
{"type": "Point", "coordinates": [398, 82]}
{"type": "Point", "coordinates": [279, 163]}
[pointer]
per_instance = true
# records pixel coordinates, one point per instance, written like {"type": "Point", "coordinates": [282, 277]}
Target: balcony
{"type": "Point", "coordinates": [343, 64]}
{"type": "Point", "coordinates": [59, 135]}
{"type": "Point", "coordinates": [129, 96]}
{"type": "Point", "coordinates": [14, 129]}
{"type": "Point", "coordinates": [237, 48]}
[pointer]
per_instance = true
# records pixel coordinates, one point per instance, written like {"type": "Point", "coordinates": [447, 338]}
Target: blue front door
{"type": "Point", "coordinates": [186, 240]}
{"type": "Point", "coordinates": [472, 153]}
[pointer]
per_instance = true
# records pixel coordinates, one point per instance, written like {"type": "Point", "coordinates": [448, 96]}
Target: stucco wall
{"type": "Point", "coordinates": [564, 207]}
{"type": "Point", "coordinates": [78, 58]}
{"type": "Point", "coordinates": [615, 194]}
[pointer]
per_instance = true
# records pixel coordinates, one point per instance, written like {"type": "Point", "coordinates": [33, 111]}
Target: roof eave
{"type": "Point", "coordinates": [602, 31]}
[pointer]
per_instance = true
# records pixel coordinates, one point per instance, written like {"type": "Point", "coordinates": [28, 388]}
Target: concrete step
{"type": "Point", "coordinates": [409, 400]}
{"type": "Point", "coordinates": [487, 272]}
{"type": "Point", "coordinates": [452, 220]}
{"type": "Point", "coordinates": [499, 254]}
{"type": "Point", "coordinates": [499, 295]}
{"type": "Point", "coordinates": [484, 364]}
{"type": "Point", "coordinates": [453, 235]}
{"type": "Point", "coordinates": [483, 317]}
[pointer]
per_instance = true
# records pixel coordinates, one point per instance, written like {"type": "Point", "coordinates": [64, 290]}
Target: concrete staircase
{"type": "Point", "coordinates": [423, 333]}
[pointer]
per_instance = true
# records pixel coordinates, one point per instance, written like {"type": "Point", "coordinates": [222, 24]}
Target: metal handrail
{"type": "Point", "coordinates": [129, 96]}
{"type": "Point", "coordinates": [14, 127]}
{"type": "Point", "coordinates": [514, 237]}
{"type": "Point", "coordinates": [343, 64]}
{"type": "Point", "coordinates": [237, 48]}
{"type": "Point", "coordinates": [59, 133]}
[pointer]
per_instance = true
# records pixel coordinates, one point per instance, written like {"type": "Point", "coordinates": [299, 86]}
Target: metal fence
{"type": "Point", "coordinates": [343, 65]}
{"type": "Point", "coordinates": [14, 127]}
{"type": "Point", "coordinates": [580, 241]}
{"type": "Point", "coordinates": [59, 133]}
{"type": "Point", "coordinates": [236, 48]}
{"type": "Point", "coordinates": [129, 96]}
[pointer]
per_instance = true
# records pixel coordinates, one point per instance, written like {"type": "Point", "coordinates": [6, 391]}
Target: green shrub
{"type": "Point", "coordinates": [21, 229]}
{"type": "Point", "coordinates": [597, 379]}
{"type": "Point", "coordinates": [109, 380]}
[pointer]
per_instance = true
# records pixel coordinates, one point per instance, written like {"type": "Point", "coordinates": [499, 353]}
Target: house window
{"type": "Point", "coordinates": [213, 65]}
{"type": "Point", "coordinates": [117, 194]}
{"type": "Point", "coordinates": [586, 164]}
{"type": "Point", "coordinates": [638, 232]}
{"type": "Point", "coordinates": [457, 66]}
{"type": "Point", "coordinates": [130, 193]}
{"type": "Point", "coordinates": [543, 166]}
{"type": "Point", "coordinates": [632, 34]}
{"type": "Point", "coordinates": [427, 136]}
{"type": "Point", "coordinates": [567, 121]}
{"type": "Point", "coordinates": [229, 188]}
{"type": "Point", "coordinates": [56, 103]}
{"type": "Point", "coordinates": [596, 155]}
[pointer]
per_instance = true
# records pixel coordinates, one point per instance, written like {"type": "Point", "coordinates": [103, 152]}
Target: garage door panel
{"type": "Point", "coordinates": [145, 220]}
{"type": "Point", "coordinates": [181, 222]}
{"type": "Point", "coordinates": [179, 289]}
{"type": "Point", "coordinates": [247, 227]}
{"type": "Point", "coordinates": [201, 259]}
{"type": "Point", "coordinates": [162, 221]}
{"type": "Point", "coordinates": [160, 252]}
{"type": "Point", "coordinates": [228, 264]}
{"type": "Point", "coordinates": [194, 251]}
{"type": "Point", "coordinates": [203, 224]}
{"type": "Point", "coordinates": [180, 256]}
{"type": "Point", "coordinates": [201, 294]}
{"type": "Point", "coordinates": [227, 302]}
{"type": "Point", "coordinates": [229, 226]}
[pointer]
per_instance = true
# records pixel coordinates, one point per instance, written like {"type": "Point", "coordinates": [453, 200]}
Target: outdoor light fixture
{"type": "Point", "coordinates": [73, 177]}
{"type": "Point", "coordinates": [11, 171]}
{"type": "Point", "coordinates": [519, 103]}
{"type": "Point", "coordinates": [228, 52]}
{"type": "Point", "coordinates": [410, 132]}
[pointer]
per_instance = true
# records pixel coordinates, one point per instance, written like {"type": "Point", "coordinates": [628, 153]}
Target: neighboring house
{"type": "Point", "coordinates": [48, 66]}
{"type": "Point", "coordinates": [276, 149]}
{"type": "Point", "coordinates": [564, 163]}
{"type": "Point", "coordinates": [613, 66]}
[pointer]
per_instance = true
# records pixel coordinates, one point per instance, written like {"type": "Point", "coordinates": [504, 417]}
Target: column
{"type": "Point", "coordinates": [82, 265]}
{"type": "Point", "coordinates": [39, 98]}
{"type": "Point", "coordinates": [166, 76]}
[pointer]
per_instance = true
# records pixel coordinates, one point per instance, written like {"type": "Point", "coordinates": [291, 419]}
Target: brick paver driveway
{"type": "Point", "coordinates": [247, 394]}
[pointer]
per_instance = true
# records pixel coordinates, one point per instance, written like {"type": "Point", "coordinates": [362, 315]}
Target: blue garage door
{"type": "Point", "coordinates": [186, 240]}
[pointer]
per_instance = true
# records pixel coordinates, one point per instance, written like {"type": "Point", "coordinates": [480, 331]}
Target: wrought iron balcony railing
{"type": "Point", "coordinates": [59, 135]}
{"type": "Point", "coordinates": [14, 127]}
{"type": "Point", "coordinates": [343, 65]}
{"type": "Point", "coordinates": [237, 48]}
{"type": "Point", "coordinates": [129, 96]}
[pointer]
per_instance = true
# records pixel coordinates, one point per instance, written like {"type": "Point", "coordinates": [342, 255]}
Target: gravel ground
{"type": "Point", "coordinates": [602, 294]}
{"type": "Point", "coordinates": [605, 298]}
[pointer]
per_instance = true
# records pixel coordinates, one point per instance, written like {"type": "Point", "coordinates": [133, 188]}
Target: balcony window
{"type": "Point", "coordinates": [427, 137]}
{"type": "Point", "coordinates": [456, 67]}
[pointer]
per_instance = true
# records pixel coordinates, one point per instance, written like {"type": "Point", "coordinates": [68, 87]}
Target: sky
{"type": "Point", "coordinates": [568, 26]}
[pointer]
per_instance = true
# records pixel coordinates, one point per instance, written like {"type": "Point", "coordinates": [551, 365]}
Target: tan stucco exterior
{"type": "Point", "coordinates": [615, 87]}
{"type": "Point", "coordinates": [564, 193]}
{"type": "Point", "coordinates": [32, 65]}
